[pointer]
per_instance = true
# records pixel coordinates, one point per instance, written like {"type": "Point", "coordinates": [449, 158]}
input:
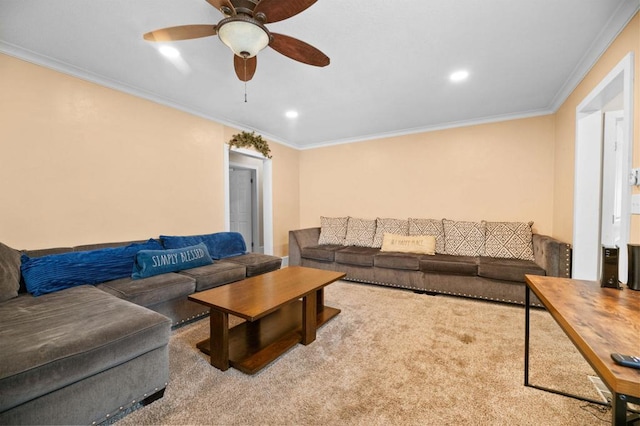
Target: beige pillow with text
{"type": "Point", "coordinates": [422, 244]}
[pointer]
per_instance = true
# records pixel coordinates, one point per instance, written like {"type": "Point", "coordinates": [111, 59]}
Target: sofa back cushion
{"type": "Point", "coordinates": [429, 227]}
{"type": "Point", "coordinates": [360, 232]}
{"type": "Point", "coordinates": [9, 272]}
{"type": "Point", "coordinates": [55, 272]}
{"type": "Point", "coordinates": [391, 226]}
{"type": "Point", "coordinates": [148, 263]}
{"type": "Point", "coordinates": [509, 240]}
{"type": "Point", "coordinates": [333, 230]}
{"type": "Point", "coordinates": [220, 244]}
{"type": "Point", "coordinates": [464, 238]}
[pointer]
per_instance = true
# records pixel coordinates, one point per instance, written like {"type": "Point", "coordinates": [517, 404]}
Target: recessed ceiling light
{"type": "Point", "coordinates": [459, 76]}
{"type": "Point", "coordinates": [291, 114]}
{"type": "Point", "coordinates": [169, 51]}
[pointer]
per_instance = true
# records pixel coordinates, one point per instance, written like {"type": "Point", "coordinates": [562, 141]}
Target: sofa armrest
{"type": "Point", "coordinates": [300, 239]}
{"type": "Point", "coordinates": [552, 255]}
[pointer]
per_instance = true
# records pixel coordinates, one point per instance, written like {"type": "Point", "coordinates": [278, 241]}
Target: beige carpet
{"type": "Point", "coordinates": [392, 357]}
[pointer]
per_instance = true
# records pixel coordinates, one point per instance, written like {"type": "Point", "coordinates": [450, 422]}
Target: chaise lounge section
{"type": "Point", "coordinates": [76, 356]}
{"type": "Point", "coordinates": [76, 348]}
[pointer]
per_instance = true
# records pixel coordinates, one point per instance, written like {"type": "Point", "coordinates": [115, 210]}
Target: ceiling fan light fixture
{"type": "Point", "coordinates": [244, 36]}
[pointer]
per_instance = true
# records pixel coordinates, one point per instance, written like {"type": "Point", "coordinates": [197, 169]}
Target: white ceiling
{"type": "Point", "coordinates": [389, 67]}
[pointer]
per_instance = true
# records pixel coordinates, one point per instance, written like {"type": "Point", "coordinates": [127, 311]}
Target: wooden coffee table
{"type": "Point", "coordinates": [281, 308]}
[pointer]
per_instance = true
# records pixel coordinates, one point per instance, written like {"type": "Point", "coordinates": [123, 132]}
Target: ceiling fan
{"type": "Point", "coordinates": [243, 31]}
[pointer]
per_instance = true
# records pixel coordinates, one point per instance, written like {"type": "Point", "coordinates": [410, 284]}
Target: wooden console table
{"type": "Point", "coordinates": [598, 321]}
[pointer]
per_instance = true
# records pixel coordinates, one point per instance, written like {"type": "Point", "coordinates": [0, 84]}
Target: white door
{"type": "Point", "coordinates": [240, 204]}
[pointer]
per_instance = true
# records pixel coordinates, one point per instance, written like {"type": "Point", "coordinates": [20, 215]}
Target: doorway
{"type": "Point", "coordinates": [244, 205]}
{"type": "Point", "coordinates": [239, 163]}
{"type": "Point", "coordinates": [603, 154]}
{"type": "Point", "coordinates": [612, 177]}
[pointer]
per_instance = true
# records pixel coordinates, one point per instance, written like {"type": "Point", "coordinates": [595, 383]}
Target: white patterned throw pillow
{"type": "Point", "coordinates": [429, 227]}
{"type": "Point", "coordinates": [391, 226]}
{"type": "Point", "coordinates": [333, 230]}
{"type": "Point", "coordinates": [464, 238]}
{"type": "Point", "coordinates": [509, 240]}
{"type": "Point", "coordinates": [360, 232]}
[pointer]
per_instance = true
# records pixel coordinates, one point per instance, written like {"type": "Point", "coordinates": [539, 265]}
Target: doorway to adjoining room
{"type": "Point", "coordinates": [248, 198]}
{"type": "Point", "coordinates": [602, 191]}
{"type": "Point", "coordinates": [245, 200]}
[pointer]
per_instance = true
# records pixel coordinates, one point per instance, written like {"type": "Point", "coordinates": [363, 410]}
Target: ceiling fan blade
{"type": "Point", "coordinates": [183, 32]}
{"type": "Point", "coordinates": [298, 50]}
{"type": "Point", "coordinates": [219, 4]}
{"type": "Point", "coordinates": [278, 10]}
{"type": "Point", "coordinates": [245, 68]}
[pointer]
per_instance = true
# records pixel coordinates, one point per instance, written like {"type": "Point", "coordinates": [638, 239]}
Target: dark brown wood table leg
{"type": "Point", "coordinates": [320, 298]}
{"type": "Point", "coordinates": [309, 314]}
{"type": "Point", "coordinates": [219, 342]}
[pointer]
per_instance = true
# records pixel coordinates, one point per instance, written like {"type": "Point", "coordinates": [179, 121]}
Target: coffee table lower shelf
{"type": "Point", "coordinates": [255, 344]}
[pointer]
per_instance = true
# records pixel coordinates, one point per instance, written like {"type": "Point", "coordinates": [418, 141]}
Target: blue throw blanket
{"type": "Point", "coordinates": [220, 244]}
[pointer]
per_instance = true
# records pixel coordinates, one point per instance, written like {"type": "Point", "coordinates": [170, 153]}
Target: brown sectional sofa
{"type": "Point", "coordinates": [81, 354]}
{"type": "Point", "coordinates": [482, 277]}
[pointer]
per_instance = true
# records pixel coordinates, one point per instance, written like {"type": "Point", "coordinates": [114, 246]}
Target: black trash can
{"type": "Point", "coordinates": [633, 281]}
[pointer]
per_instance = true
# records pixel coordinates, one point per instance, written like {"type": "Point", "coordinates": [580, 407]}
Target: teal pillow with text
{"type": "Point", "coordinates": [148, 263]}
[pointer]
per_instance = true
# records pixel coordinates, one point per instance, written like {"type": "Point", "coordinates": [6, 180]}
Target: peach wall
{"type": "Point", "coordinates": [501, 171]}
{"type": "Point", "coordinates": [627, 41]}
{"type": "Point", "coordinates": [286, 195]}
{"type": "Point", "coordinates": [82, 163]}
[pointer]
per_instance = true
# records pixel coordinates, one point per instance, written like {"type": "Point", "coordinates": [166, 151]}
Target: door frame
{"type": "Point", "coordinates": [587, 209]}
{"type": "Point", "coordinates": [267, 193]}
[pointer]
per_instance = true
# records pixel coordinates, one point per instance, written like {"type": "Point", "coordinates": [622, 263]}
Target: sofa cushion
{"type": "Point", "coordinates": [57, 339]}
{"type": "Point", "coordinates": [429, 227]}
{"type": "Point", "coordinates": [463, 238]}
{"type": "Point", "coordinates": [220, 245]}
{"type": "Point", "coordinates": [447, 264]}
{"type": "Point", "coordinates": [395, 260]}
{"type": "Point", "coordinates": [147, 263]}
{"type": "Point", "coordinates": [360, 256]}
{"type": "Point", "coordinates": [333, 230]}
{"type": "Point", "coordinates": [9, 272]}
{"type": "Point", "coordinates": [507, 269]}
{"type": "Point", "coordinates": [510, 240]}
{"type": "Point", "coordinates": [422, 244]}
{"type": "Point", "coordinates": [324, 253]}
{"type": "Point", "coordinates": [215, 275]}
{"type": "Point", "coordinates": [391, 226]}
{"type": "Point", "coordinates": [59, 271]}
{"type": "Point", "coordinates": [257, 263]}
{"type": "Point", "coordinates": [360, 232]}
{"type": "Point", "coordinates": [151, 290]}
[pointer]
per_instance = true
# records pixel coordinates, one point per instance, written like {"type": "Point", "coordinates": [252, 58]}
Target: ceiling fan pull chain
{"type": "Point", "coordinates": [245, 79]}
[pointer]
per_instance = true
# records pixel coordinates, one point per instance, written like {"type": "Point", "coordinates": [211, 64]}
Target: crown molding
{"type": "Point", "coordinates": [618, 22]}
{"type": "Point", "coordinates": [434, 128]}
{"type": "Point", "coordinates": [83, 74]}
{"type": "Point", "coordinates": [625, 12]}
